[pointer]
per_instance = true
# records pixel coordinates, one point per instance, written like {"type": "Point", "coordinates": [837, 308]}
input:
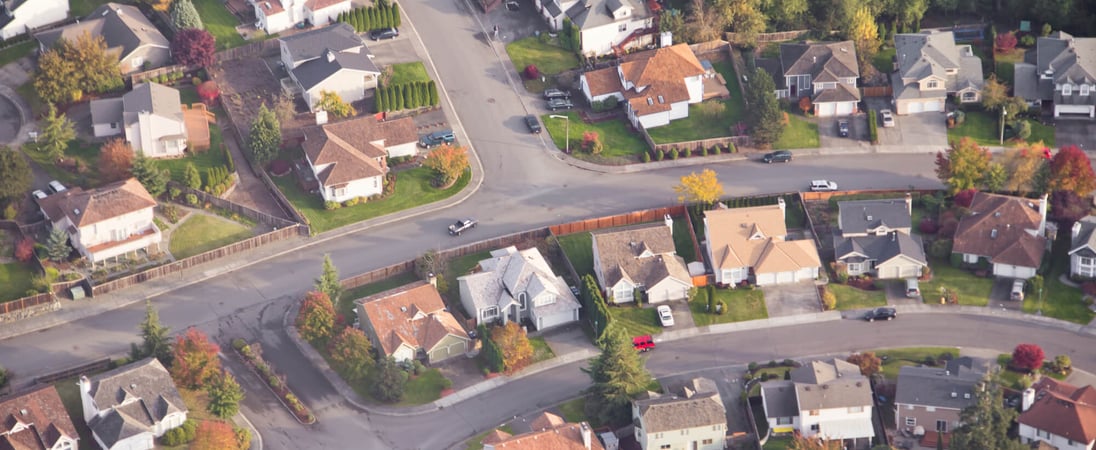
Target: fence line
{"type": "Point", "coordinates": [726, 142]}
{"type": "Point", "coordinates": [619, 220]}
{"type": "Point", "coordinates": [876, 91]}
{"type": "Point", "coordinates": [237, 208]}
{"type": "Point", "coordinates": [708, 47]}
{"type": "Point", "coordinates": [70, 372]}
{"type": "Point", "coordinates": [771, 37]}
{"type": "Point", "coordinates": [29, 301]}
{"type": "Point", "coordinates": [252, 49]}
{"type": "Point", "coordinates": [148, 75]}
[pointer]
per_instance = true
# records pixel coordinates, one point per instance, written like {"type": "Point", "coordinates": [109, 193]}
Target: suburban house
{"type": "Point", "coordinates": [1059, 414]}
{"type": "Point", "coordinates": [349, 158]}
{"type": "Point", "coordinates": [1007, 232]}
{"type": "Point", "coordinates": [933, 397]}
{"type": "Point", "coordinates": [1082, 249]}
{"type": "Point", "coordinates": [333, 59]}
{"type": "Point", "coordinates": [150, 117]}
{"type": "Point", "coordinates": [275, 16]}
{"type": "Point", "coordinates": [826, 72]}
{"type": "Point", "coordinates": [518, 286]}
{"type": "Point", "coordinates": [930, 67]}
{"type": "Point", "coordinates": [410, 322]}
{"type": "Point", "coordinates": [105, 222]}
{"type": "Point", "coordinates": [37, 420]}
{"type": "Point", "coordinates": [549, 431]}
{"type": "Point", "coordinates": [694, 420]}
{"type": "Point", "coordinates": [827, 399]}
{"type": "Point", "coordinates": [127, 32]}
{"type": "Point", "coordinates": [745, 243]}
{"type": "Point", "coordinates": [874, 238]}
{"type": "Point", "coordinates": [640, 259]}
{"type": "Point", "coordinates": [656, 86]}
{"type": "Point", "coordinates": [19, 17]}
{"type": "Point", "coordinates": [605, 26]}
{"type": "Point", "coordinates": [129, 407]}
{"type": "Point", "coordinates": [1064, 74]}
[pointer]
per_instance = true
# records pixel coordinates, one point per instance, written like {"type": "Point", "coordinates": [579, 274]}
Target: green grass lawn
{"type": "Point", "coordinates": [579, 248]}
{"type": "Point", "coordinates": [736, 107]}
{"type": "Point", "coordinates": [973, 291]}
{"type": "Point", "coordinates": [574, 411]}
{"type": "Point", "coordinates": [849, 297]}
{"type": "Point", "coordinates": [458, 267]}
{"type": "Point", "coordinates": [213, 157]}
{"type": "Point", "coordinates": [884, 60]}
{"type": "Point", "coordinates": [541, 350]}
{"type": "Point", "coordinates": [698, 125]}
{"type": "Point", "coordinates": [424, 388]}
{"type": "Point", "coordinates": [15, 280]}
{"type": "Point", "coordinates": [1040, 132]}
{"type": "Point", "coordinates": [87, 155]}
{"type": "Point", "coordinates": [1059, 301]}
{"type": "Point", "coordinates": [81, 8]}
{"type": "Point", "coordinates": [800, 133]}
{"type": "Point", "coordinates": [683, 242]}
{"type": "Point", "coordinates": [220, 23]}
{"type": "Point", "coordinates": [742, 305]}
{"type": "Point", "coordinates": [407, 73]}
{"type": "Point", "coordinates": [984, 128]}
{"type": "Point", "coordinates": [201, 233]}
{"type": "Point", "coordinates": [30, 95]}
{"type": "Point", "coordinates": [636, 321]}
{"type": "Point", "coordinates": [549, 59]}
{"type": "Point", "coordinates": [909, 356]}
{"type": "Point", "coordinates": [17, 51]}
{"type": "Point", "coordinates": [619, 140]}
{"type": "Point", "coordinates": [346, 300]}
{"type": "Point", "coordinates": [1006, 72]}
{"type": "Point", "coordinates": [412, 189]}
{"type": "Point", "coordinates": [476, 443]}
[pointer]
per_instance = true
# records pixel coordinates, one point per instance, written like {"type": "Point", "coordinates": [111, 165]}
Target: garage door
{"type": "Point", "coordinates": [1004, 270]}
{"type": "Point", "coordinates": [826, 109]}
{"type": "Point", "coordinates": [765, 279]}
{"type": "Point", "coordinates": [1073, 109]}
{"type": "Point", "coordinates": [554, 320]}
{"type": "Point", "coordinates": [932, 106]}
{"type": "Point", "coordinates": [915, 107]}
{"type": "Point", "coordinates": [845, 108]}
{"type": "Point", "coordinates": [785, 277]}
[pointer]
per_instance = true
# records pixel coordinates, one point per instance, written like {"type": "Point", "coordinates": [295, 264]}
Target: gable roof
{"type": "Point", "coordinates": [662, 73]}
{"type": "Point", "coordinates": [1002, 228]}
{"type": "Point", "coordinates": [830, 384]}
{"type": "Point", "coordinates": [42, 414]}
{"type": "Point", "coordinates": [414, 315]}
{"type": "Point", "coordinates": [123, 27]}
{"type": "Point", "coordinates": [136, 396]}
{"type": "Point", "coordinates": [859, 216]}
{"type": "Point", "coordinates": [929, 53]}
{"type": "Point", "coordinates": [952, 387]}
{"type": "Point", "coordinates": [147, 97]}
{"type": "Point", "coordinates": [754, 237]}
{"type": "Point", "coordinates": [1083, 238]}
{"type": "Point", "coordinates": [1062, 409]}
{"type": "Point", "coordinates": [700, 406]}
{"type": "Point", "coordinates": [779, 398]}
{"type": "Point", "coordinates": [315, 71]}
{"type": "Point", "coordinates": [589, 14]}
{"type": "Point", "coordinates": [510, 272]}
{"type": "Point", "coordinates": [99, 204]}
{"type": "Point", "coordinates": [566, 436]}
{"type": "Point", "coordinates": [879, 248]}
{"type": "Point", "coordinates": [603, 81]}
{"type": "Point", "coordinates": [823, 61]}
{"type": "Point", "coordinates": [1071, 59]}
{"type": "Point", "coordinates": [311, 44]}
{"type": "Point", "coordinates": [354, 147]}
{"type": "Point", "coordinates": [644, 255]}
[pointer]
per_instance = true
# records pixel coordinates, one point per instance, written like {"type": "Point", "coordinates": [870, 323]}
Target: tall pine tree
{"type": "Point", "coordinates": [155, 339]}
{"type": "Point", "coordinates": [985, 424]}
{"type": "Point", "coordinates": [618, 376]}
{"type": "Point", "coordinates": [328, 282]}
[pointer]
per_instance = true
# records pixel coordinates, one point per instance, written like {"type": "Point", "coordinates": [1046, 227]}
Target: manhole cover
{"type": "Point", "coordinates": [491, 100]}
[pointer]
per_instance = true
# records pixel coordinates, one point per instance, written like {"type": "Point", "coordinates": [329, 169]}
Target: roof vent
{"type": "Point", "coordinates": [23, 412]}
{"type": "Point", "coordinates": [403, 308]}
{"type": "Point", "coordinates": [993, 233]}
{"type": "Point", "coordinates": [954, 395]}
{"type": "Point", "coordinates": [869, 217]}
{"type": "Point", "coordinates": [814, 59]}
{"type": "Point", "coordinates": [76, 211]}
{"type": "Point", "coordinates": [966, 395]}
{"type": "Point", "coordinates": [133, 385]}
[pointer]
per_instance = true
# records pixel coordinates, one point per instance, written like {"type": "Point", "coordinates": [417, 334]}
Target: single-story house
{"type": "Point", "coordinates": [656, 86]}
{"type": "Point", "coordinates": [18, 17]}
{"type": "Point", "coordinates": [605, 26]}
{"type": "Point", "coordinates": [641, 259]}
{"type": "Point", "coordinates": [745, 243]}
{"type": "Point", "coordinates": [519, 286]}
{"type": "Point", "coordinates": [930, 67]}
{"type": "Point", "coordinates": [150, 117]}
{"type": "Point", "coordinates": [826, 72]}
{"type": "Point", "coordinates": [127, 32]}
{"type": "Point", "coordinates": [1007, 232]}
{"type": "Point", "coordinates": [1082, 249]}
{"type": "Point", "coordinates": [275, 16]}
{"type": "Point", "coordinates": [332, 59]}
{"type": "Point", "coordinates": [349, 158]}
{"type": "Point", "coordinates": [412, 321]}
{"type": "Point", "coordinates": [129, 407]}
{"type": "Point", "coordinates": [107, 221]}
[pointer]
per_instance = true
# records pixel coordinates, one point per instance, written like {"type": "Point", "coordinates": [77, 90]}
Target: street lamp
{"type": "Point", "coordinates": [1003, 113]}
{"type": "Point", "coordinates": [567, 127]}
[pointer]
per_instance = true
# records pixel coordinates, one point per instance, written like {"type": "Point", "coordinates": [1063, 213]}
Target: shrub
{"type": "Point", "coordinates": [191, 199]}
{"type": "Point", "coordinates": [239, 344]}
{"type": "Point", "coordinates": [24, 250]}
{"type": "Point", "coordinates": [646, 157]}
{"type": "Point", "coordinates": [1005, 42]}
{"type": "Point", "coordinates": [531, 72]}
{"type": "Point", "coordinates": [659, 155]}
{"type": "Point", "coordinates": [721, 308]}
{"type": "Point", "coordinates": [947, 228]}
{"type": "Point", "coordinates": [673, 153]}
{"type": "Point", "coordinates": [610, 103]}
{"type": "Point", "coordinates": [1027, 357]}
{"type": "Point", "coordinates": [940, 248]}
{"type": "Point", "coordinates": [331, 206]}
{"type": "Point", "coordinates": [752, 367]}
{"type": "Point", "coordinates": [352, 202]}
{"type": "Point", "coordinates": [190, 429]}
{"type": "Point", "coordinates": [927, 226]}
{"type": "Point", "coordinates": [829, 299]}
{"type": "Point", "coordinates": [873, 127]}
{"type": "Point", "coordinates": [10, 212]}
{"type": "Point", "coordinates": [1027, 40]}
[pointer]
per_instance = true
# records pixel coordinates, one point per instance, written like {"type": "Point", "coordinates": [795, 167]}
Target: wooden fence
{"type": "Point", "coordinates": [150, 75]}
{"type": "Point", "coordinates": [94, 366]}
{"type": "Point", "coordinates": [247, 51]}
{"type": "Point", "coordinates": [825, 196]}
{"type": "Point", "coordinates": [703, 48]}
{"type": "Point", "coordinates": [876, 91]}
{"type": "Point", "coordinates": [772, 37]}
{"type": "Point", "coordinates": [237, 208]}
{"type": "Point", "coordinates": [25, 302]}
{"type": "Point", "coordinates": [727, 142]}
{"type": "Point", "coordinates": [619, 220]}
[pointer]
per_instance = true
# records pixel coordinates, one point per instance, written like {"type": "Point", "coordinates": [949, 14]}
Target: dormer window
{"type": "Point", "coordinates": [1067, 89]}
{"type": "Point", "coordinates": [1084, 89]}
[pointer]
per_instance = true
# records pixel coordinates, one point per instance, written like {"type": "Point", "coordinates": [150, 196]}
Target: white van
{"type": "Point", "coordinates": [912, 289]}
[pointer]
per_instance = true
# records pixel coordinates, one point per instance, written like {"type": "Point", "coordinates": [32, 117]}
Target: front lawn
{"type": "Point", "coordinates": [201, 233]}
{"type": "Point", "coordinates": [81, 8]}
{"type": "Point", "coordinates": [884, 60]}
{"type": "Point", "coordinates": [15, 280]}
{"type": "Point", "coordinates": [700, 124]}
{"type": "Point", "coordinates": [85, 155]}
{"type": "Point", "coordinates": [408, 73]}
{"type": "Point", "coordinates": [799, 133]}
{"type": "Point", "coordinates": [579, 248]}
{"type": "Point", "coordinates": [413, 189]}
{"type": "Point", "coordinates": [910, 356]}
{"type": "Point", "coordinates": [549, 59]}
{"type": "Point", "coordinates": [973, 291]}
{"type": "Point", "coordinates": [742, 304]}
{"type": "Point", "coordinates": [69, 391]}
{"type": "Point", "coordinates": [574, 411]}
{"type": "Point", "coordinates": [617, 137]}
{"type": "Point", "coordinates": [683, 241]}
{"type": "Point", "coordinates": [203, 161]}
{"type": "Point", "coordinates": [424, 388]}
{"type": "Point", "coordinates": [1059, 301]}
{"type": "Point", "coordinates": [541, 350]}
{"type": "Point", "coordinates": [984, 128]}
{"type": "Point", "coordinates": [17, 51]}
{"type": "Point", "coordinates": [220, 23]}
{"type": "Point", "coordinates": [849, 297]}
{"type": "Point", "coordinates": [636, 321]}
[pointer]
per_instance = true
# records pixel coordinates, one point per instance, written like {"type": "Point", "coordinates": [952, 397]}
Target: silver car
{"type": "Point", "coordinates": [888, 118]}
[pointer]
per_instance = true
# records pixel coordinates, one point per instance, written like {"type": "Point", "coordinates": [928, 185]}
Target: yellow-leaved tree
{"type": "Point", "coordinates": [448, 163]}
{"type": "Point", "coordinates": [865, 35]}
{"type": "Point", "coordinates": [700, 188]}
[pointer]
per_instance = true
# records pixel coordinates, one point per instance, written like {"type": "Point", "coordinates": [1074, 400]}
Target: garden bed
{"type": "Point", "coordinates": [252, 357]}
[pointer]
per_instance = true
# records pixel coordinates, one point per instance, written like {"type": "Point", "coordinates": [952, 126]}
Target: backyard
{"type": "Point", "coordinates": [1006, 62]}
{"type": "Point", "coordinates": [579, 248]}
{"type": "Point", "coordinates": [622, 145]}
{"type": "Point", "coordinates": [84, 157]}
{"type": "Point", "coordinates": [984, 128]}
{"type": "Point", "coordinates": [706, 121]}
{"type": "Point", "coordinates": [884, 60]}
{"type": "Point", "coordinates": [15, 280]}
{"type": "Point", "coordinates": [973, 290]}
{"type": "Point", "coordinates": [849, 297]}
{"type": "Point", "coordinates": [683, 241]}
{"type": "Point", "coordinates": [799, 133]}
{"type": "Point", "coordinates": [895, 358]}
{"type": "Point", "coordinates": [220, 23]}
{"type": "Point", "coordinates": [200, 233]}
{"type": "Point", "coordinates": [742, 305]}
{"type": "Point", "coordinates": [550, 59]}
{"type": "Point", "coordinates": [204, 160]}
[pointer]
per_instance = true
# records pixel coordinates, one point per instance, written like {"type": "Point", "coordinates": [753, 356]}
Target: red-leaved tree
{"type": "Point", "coordinates": [195, 359]}
{"type": "Point", "coordinates": [194, 47]}
{"type": "Point", "coordinates": [965, 197]}
{"type": "Point", "coordinates": [1005, 42]}
{"type": "Point", "coordinates": [214, 435]}
{"type": "Point", "coordinates": [1067, 207]}
{"type": "Point", "coordinates": [115, 160]}
{"type": "Point", "coordinates": [316, 318]}
{"type": "Point", "coordinates": [1027, 357]}
{"type": "Point", "coordinates": [1071, 170]}
{"type": "Point", "coordinates": [208, 91]}
{"type": "Point", "coordinates": [24, 250]}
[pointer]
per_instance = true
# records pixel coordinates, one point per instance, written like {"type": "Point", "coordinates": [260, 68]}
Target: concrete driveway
{"type": "Point", "coordinates": [910, 130]}
{"type": "Point", "coordinates": [999, 296]}
{"type": "Point", "coordinates": [393, 51]}
{"type": "Point", "coordinates": [827, 131]}
{"type": "Point", "coordinates": [683, 318]}
{"type": "Point", "coordinates": [791, 299]}
{"type": "Point", "coordinates": [1075, 131]}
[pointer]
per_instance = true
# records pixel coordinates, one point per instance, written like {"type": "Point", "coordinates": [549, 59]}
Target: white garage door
{"type": "Point", "coordinates": [932, 106]}
{"type": "Point", "coordinates": [1004, 270]}
{"type": "Point", "coordinates": [826, 109]}
{"type": "Point", "coordinates": [915, 107]}
{"type": "Point", "coordinates": [765, 279]}
{"type": "Point", "coordinates": [554, 320]}
{"type": "Point", "coordinates": [845, 108]}
{"type": "Point", "coordinates": [1072, 109]}
{"type": "Point", "coordinates": [785, 277]}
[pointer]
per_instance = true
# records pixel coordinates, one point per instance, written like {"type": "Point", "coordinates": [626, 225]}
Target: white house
{"type": "Point", "coordinates": [930, 67]}
{"type": "Point", "coordinates": [697, 420]}
{"type": "Point", "coordinates": [657, 85]}
{"type": "Point", "coordinates": [19, 17]}
{"type": "Point", "coordinates": [605, 26]}
{"type": "Point", "coordinates": [1007, 232]}
{"type": "Point", "coordinates": [128, 407]}
{"type": "Point", "coordinates": [825, 72]}
{"type": "Point", "coordinates": [150, 117]}
{"type": "Point", "coordinates": [126, 31]}
{"type": "Point", "coordinates": [751, 241]}
{"type": "Point", "coordinates": [36, 420]}
{"type": "Point", "coordinates": [410, 321]}
{"type": "Point", "coordinates": [642, 259]}
{"type": "Point", "coordinates": [349, 158]}
{"type": "Point", "coordinates": [827, 399]}
{"type": "Point", "coordinates": [332, 59]}
{"type": "Point", "coordinates": [1082, 250]}
{"type": "Point", "coordinates": [1059, 414]}
{"type": "Point", "coordinates": [518, 285]}
{"type": "Point", "coordinates": [275, 16]}
{"type": "Point", "coordinates": [105, 222]}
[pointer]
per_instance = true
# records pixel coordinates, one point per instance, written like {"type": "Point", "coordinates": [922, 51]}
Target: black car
{"type": "Point", "coordinates": [464, 224]}
{"type": "Point", "coordinates": [881, 314]}
{"type": "Point", "coordinates": [384, 33]}
{"type": "Point", "coordinates": [777, 156]}
{"type": "Point", "coordinates": [560, 103]}
{"type": "Point", "coordinates": [533, 124]}
{"type": "Point", "coordinates": [437, 138]}
{"type": "Point", "coordinates": [555, 93]}
{"type": "Point", "coordinates": [843, 128]}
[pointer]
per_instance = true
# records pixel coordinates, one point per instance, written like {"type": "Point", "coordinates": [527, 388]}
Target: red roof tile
{"type": "Point", "coordinates": [42, 412]}
{"type": "Point", "coordinates": [1062, 409]}
{"type": "Point", "coordinates": [1002, 228]}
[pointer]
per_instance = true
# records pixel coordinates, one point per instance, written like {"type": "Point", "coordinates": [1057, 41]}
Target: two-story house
{"type": "Point", "coordinates": [150, 117]}
{"type": "Point", "coordinates": [826, 72]}
{"type": "Point", "coordinates": [518, 286]}
{"type": "Point", "coordinates": [828, 399]}
{"type": "Point", "coordinates": [330, 59]}
{"type": "Point", "coordinates": [930, 67]}
{"type": "Point", "coordinates": [605, 26]}
{"type": "Point", "coordinates": [129, 407]}
{"type": "Point", "coordinates": [349, 158]}
{"type": "Point", "coordinates": [933, 397]}
{"type": "Point", "coordinates": [640, 259]}
{"type": "Point", "coordinates": [105, 222]}
{"type": "Point", "coordinates": [750, 243]}
{"type": "Point", "coordinates": [656, 86]}
{"type": "Point", "coordinates": [412, 321]}
{"type": "Point", "coordinates": [18, 17]}
{"type": "Point", "coordinates": [127, 32]}
{"type": "Point", "coordinates": [547, 432]}
{"type": "Point", "coordinates": [1007, 232]}
{"type": "Point", "coordinates": [873, 237]}
{"type": "Point", "coordinates": [1059, 414]}
{"type": "Point", "coordinates": [275, 16]}
{"type": "Point", "coordinates": [36, 420]}
{"type": "Point", "coordinates": [1082, 248]}
{"type": "Point", "coordinates": [1064, 74]}
{"type": "Point", "coordinates": [695, 420]}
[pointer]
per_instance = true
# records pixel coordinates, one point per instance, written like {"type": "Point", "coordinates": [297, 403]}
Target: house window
{"type": "Point", "coordinates": [338, 192]}
{"type": "Point", "coordinates": [1084, 89]}
{"type": "Point", "coordinates": [968, 96]}
{"type": "Point", "coordinates": [1042, 434]}
{"type": "Point", "coordinates": [1067, 89]}
{"type": "Point", "coordinates": [783, 420]}
{"type": "Point", "coordinates": [523, 300]}
{"type": "Point", "coordinates": [706, 442]}
{"type": "Point", "coordinates": [623, 27]}
{"type": "Point", "coordinates": [665, 446]}
{"type": "Point", "coordinates": [490, 312]}
{"type": "Point", "coordinates": [1086, 261]}
{"type": "Point", "coordinates": [942, 426]}
{"type": "Point", "coordinates": [854, 267]}
{"type": "Point", "coordinates": [933, 84]}
{"type": "Point", "coordinates": [137, 62]}
{"type": "Point", "coordinates": [856, 409]}
{"type": "Point", "coordinates": [113, 125]}
{"type": "Point", "coordinates": [623, 294]}
{"type": "Point", "coordinates": [969, 258]}
{"type": "Point", "coordinates": [814, 427]}
{"type": "Point", "coordinates": [911, 421]}
{"type": "Point", "coordinates": [684, 432]}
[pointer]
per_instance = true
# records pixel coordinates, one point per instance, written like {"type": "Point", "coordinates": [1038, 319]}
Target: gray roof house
{"type": "Point", "coordinates": [874, 238]}
{"type": "Point", "coordinates": [694, 419]}
{"type": "Point", "coordinates": [605, 26]}
{"type": "Point", "coordinates": [130, 406]}
{"type": "Point", "coordinates": [824, 71]}
{"type": "Point", "coordinates": [333, 59]}
{"type": "Point", "coordinates": [930, 67]}
{"type": "Point", "coordinates": [1064, 73]}
{"type": "Point", "coordinates": [518, 285]}
{"type": "Point", "coordinates": [150, 118]}
{"type": "Point", "coordinates": [829, 399]}
{"type": "Point", "coordinates": [127, 32]}
{"type": "Point", "coordinates": [640, 258]}
{"type": "Point", "coordinates": [933, 397]}
{"type": "Point", "coordinates": [1082, 248]}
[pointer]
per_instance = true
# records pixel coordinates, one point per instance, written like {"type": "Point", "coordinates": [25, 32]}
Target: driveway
{"type": "Point", "coordinates": [1075, 131]}
{"type": "Point", "coordinates": [683, 318]}
{"type": "Point", "coordinates": [925, 129]}
{"type": "Point", "coordinates": [999, 296]}
{"type": "Point", "coordinates": [858, 131]}
{"type": "Point", "coordinates": [393, 51]}
{"type": "Point", "coordinates": [791, 299]}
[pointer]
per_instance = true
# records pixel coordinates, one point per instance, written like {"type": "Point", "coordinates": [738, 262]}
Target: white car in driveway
{"type": "Point", "coordinates": [665, 316]}
{"type": "Point", "coordinates": [888, 118]}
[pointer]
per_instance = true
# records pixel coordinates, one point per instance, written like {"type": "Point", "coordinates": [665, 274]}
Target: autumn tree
{"type": "Point", "coordinates": [868, 363]}
{"type": "Point", "coordinates": [335, 106]}
{"type": "Point", "coordinates": [448, 163]}
{"type": "Point", "coordinates": [74, 68]}
{"type": "Point", "coordinates": [56, 80]}
{"type": "Point", "coordinates": [1005, 42]}
{"type": "Point", "coordinates": [316, 317]}
{"type": "Point", "coordinates": [194, 47]}
{"type": "Point", "coordinates": [214, 435]}
{"type": "Point", "coordinates": [985, 424]}
{"type": "Point", "coordinates": [209, 92]}
{"type": "Point", "coordinates": [618, 375]}
{"type": "Point", "coordinates": [1071, 170]}
{"type": "Point", "coordinates": [390, 381]}
{"type": "Point", "coordinates": [1067, 207]}
{"type": "Point", "coordinates": [350, 351]}
{"type": "Point", "coordinates": [159, 5]}
{"type": "Point", "coordinates": [704, 23]}
{"type": "Point", "coordinates": [746, 20]}
{"type": "Point", "coordinates": [184, 15]}
{"type": "Point", "coordinates": [195, 359]}
{"type": "Point", "coordinates": [265, 136]}
{"type": "Point", "coordinates": [996, 177]}
{"type": "Point", "coordinates": [701, 188]}
{"type": "Point", "coordinates": [1027, 357]}
{"type": "Point", "coordinates": [15, 174]}
{"type": "Point", "coordinates": [512, 341]}
{"type": "Point", "coordinates": [328, 282]}
{"type": "Point", "coordinates": [115, 159]}
{"type": "Point", "coordinates": [57, 132]}
{"type": "Point", "coordinates": [963, 166]}
{"type": "Point", "coordinates": [805, 105]}
{"type": "Point", "coordinates": [864, 33]}
{"type": "Point", "coordinates": [591, 142]}
{"type": "Point", "coordinates": [994, 93]}
{"type": "Point", "coordinates": [767, 120]}
{"type": "Point", "coordinates": [153, 178]}
{"type": "Point", "coordinates": [1023, 163]}
{"type": "Point", "coordinates": [225, 395]}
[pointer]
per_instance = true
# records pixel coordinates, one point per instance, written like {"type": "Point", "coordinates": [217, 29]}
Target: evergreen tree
{"type": "Point", "coordinates": [57, 247]}
{"type": "Point", "coordinates": [406, 90]}
{"type": "Point", "coordinates": [152, 178]}
{"type": "Point", "coordinates": [985, 424]}
{"type": "Point", "coordinates": [328, 282]}
{"type": "Point", "coordinates": [397, 97]}
{"type": "Point", "coordinates": [184, 15]}
{"type": "Point", "coordinates": [396, 20]}
{"type": "Point", "coordinates": [390, 381]}
{"type": "Point", "coordinates": [155, 339]}
{"type": "Point", "coordinates": [191, 178]}
{"type": "Point", "coordinates": [370, 19]}
{"type": "Point", "coordinates": [433, 88]}
{"type": "Point", "coordinates": [388, 16]}
{"type": "Point", "coordinates": [225, 395]}
{"type": "Point", "coordinates": [265, 136]}
{"type": "Point", "coordinates": [378, 99]}
{"type": "Point", "coordinates": [15, 174]}
{"type": "Point", "coordinates": [618, 376]}
{"type": "Point", "coordinates": [57, 132]}
{"type": "Point", "coordinates": [767, 120]}
{"type": "Point", "coordinates": [416, 99]}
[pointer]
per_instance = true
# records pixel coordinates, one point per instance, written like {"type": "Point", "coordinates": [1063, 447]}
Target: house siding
{"type": "Point", "coordinates": [325, 16]}
{"type": "Point", "coordinates": [349, 84]}
{"type": "Point", "coordinates": [1078, 268]}
{"type": "Point", "coordinates": [154, 55]}
{"type": "Point", "coordinates": [825, 415]}
{"type": "Point", "coordinates": [925, 418]}
{"type": "Point", "coordinates": [1029, 434]}
{"type": "Point", "coordinates": [103, 232]}
{"type": "Point", "coordinates": [364, 187]}
{"type": "Point", "coordinates": [449, 347]}
{"type": "Point", "coordinates": [36, 14]}
{"type": "Point", "coordinates": [146, 135]}
{"type": "Point", "coordinates": [599, 41]}
{"type": "Point", "coordinates": [683, 439]}
{"type": "Point", "coordinates": [105, 129]}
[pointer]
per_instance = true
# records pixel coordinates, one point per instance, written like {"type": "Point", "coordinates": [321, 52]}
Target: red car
{"type": "Point", "coordinates": [643, 343]}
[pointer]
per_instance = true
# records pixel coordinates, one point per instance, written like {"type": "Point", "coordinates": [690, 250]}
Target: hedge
{"type": "Point", "coordinates": [412, 95]}
{"type": "Point", "coordinates": [367, 18]}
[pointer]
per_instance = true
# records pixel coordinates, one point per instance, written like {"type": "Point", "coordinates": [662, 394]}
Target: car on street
{"type": "Point", "coordinates": [777, 156]}
{"type": "Point", "coordinates": [38, 194]}
{"type": "Point", "coordinates": [560, 103]}
{"type": "Point", "coordinates": [884, 313]}
{"type": "Point", "coordinates": [888, 118]}
{"type": "Point", "coordinates": [643, 343]}
{"type": "Point", "coordinates": [843, 128]}
{"type": "Point", "coordinates": [437, 138]}
{"type": "Point", "coordinates": [56, 187]}
{"type": "Point", "coordinates": [513, 5]}
{"type": "Point", "coordinates": [555, 93]}
{"type": "Point", "coordinates": [1017, 292]}
{"type": "Point", "coordinates": [665, 316]}
{"type": "Point", "coordinates": [823, 186]}
{"type": "Point", "coordinates": [461, 226]}
{"type": "Point", "coordinates": [381, 34]}
{"type": "Point", "coordinates": [533, 124]}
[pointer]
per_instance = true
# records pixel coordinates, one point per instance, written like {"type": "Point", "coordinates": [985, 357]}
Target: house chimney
{"type": "Point", "coordinates": [330, 56]}
{"type": "Point", "coordinates": [1043, 215]}
{"type": "Point", "coordinates": [909, 203]}
{"type": "Point", "coordinates": [586, 435]}
{"type": "Point", "coordinates": [1028, 400]}
{"type": "Point", "coordinates": [669, 221]}
{"type": "Point", "coordinates": [782, 205]}
{"type": "Point", "coordinates": [432, 279]}
{"type": "Point", "coordinates": [85, 398]}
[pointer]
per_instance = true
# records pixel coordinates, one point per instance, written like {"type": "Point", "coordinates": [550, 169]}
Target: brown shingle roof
{"type": "Point", "coordinates": [643, 255]}
{"type": "Point", "coordinates": [564, 437]}
{"type": "Point", "coordinates": [1001, 228]}
{"type": "Point", "coordinates": [355, 147]}
{"type": "Point", "coordinates": [546, 420]}
{"type": "Point", "coordinates": [662, 72]}
{"type": "Point", "coordinates": [1063, 409]}
{"type": "Point", "coordinates": [42, 412]}
{"type": "Point", "coordinates": [96, 205]}
{"type": "Point", "coordinates": [603, 81]}
{"type": "Point", "coordinates": [754, 237]}
{"type": "Point", "coordinates": [413, 314]}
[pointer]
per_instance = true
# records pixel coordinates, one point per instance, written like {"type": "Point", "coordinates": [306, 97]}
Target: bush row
{"type": "Point", "coordinates": [368, 18]}
{"type": "Point", "coordinates": [676, 153]}
{"type": "Point", "coordinates": [873, 127]}
{"type": "Point", "coordinates": [218, 180]}
{"type": "Point", "coordinates": [594, 303]}
{"type": "Point", "coordinates": [417, 94]}
{"type": "Point", "coordinates": [273, 379]}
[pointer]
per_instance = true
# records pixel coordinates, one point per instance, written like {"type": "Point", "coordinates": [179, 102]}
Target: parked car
{"type": "Point", "coordinates": [560, 103]}
{"type": "Point", "coordinates": [665, 316]}
{"type": "Point", "coordinates": [513, 5]}
{"type": "Point", "coordinates": [888, 118]}
{"type": "Point", "coordinates": [56, 187]}
{"type": "Point", "coordinates": [777, 156]}
{"type": "Point", "coordinates": [462, 225]}
{"type": "Point", "coordinates": [912, 289]}
{"type": "Point", "coordinates": [883, 313]}
{"type": "Point", "coordinates": [384, 33]}
{"type": "Point", "coordinates": [555, 93]}
{"type": "Point", "coordinates": [437, 138]}
{"type": "Point", "coordinates": [643, 343]}
{"type": "Point", "coordinates": [1017, 293]}
{"type": "Point", "coordinates": [823, 186]}
{"type": "Point", "coordinates": [533, 124]}
{"type": "Point", "coordinates": [38, 194]}
{"type": "Point", "coordinates": [843, 128]}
